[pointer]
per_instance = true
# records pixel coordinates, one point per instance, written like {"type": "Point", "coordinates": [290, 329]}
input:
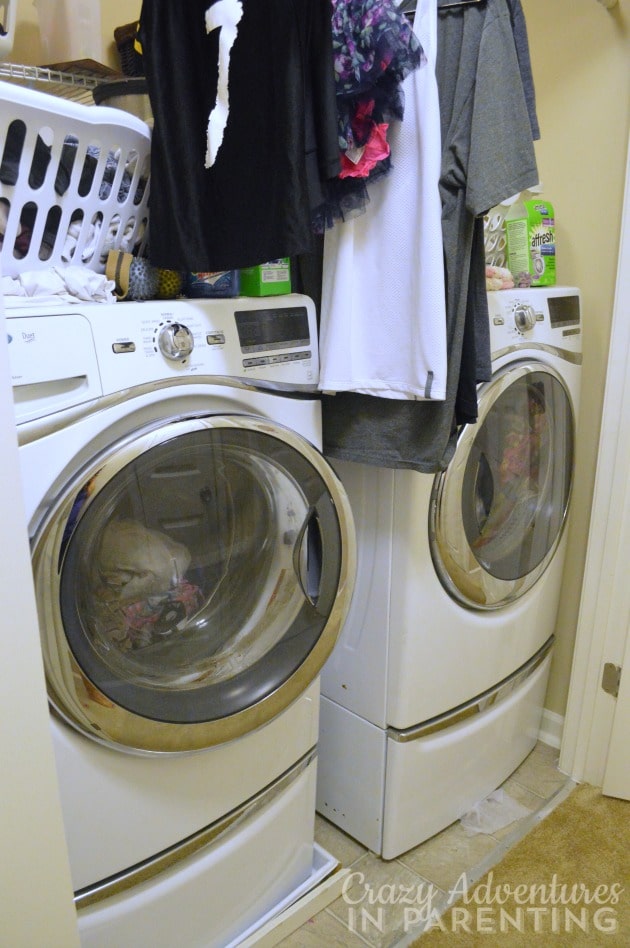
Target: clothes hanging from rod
{"type": "Point", "coordinates": [245, 128]}
{"type": "Point", "coordinates": [487, 156]}
{"type": "Point", "coordinates": [521, 43]}
{"type": "Point", "coordinates": [383, 322]}
{"type": "Point", "coordinates": [475, 365]}
{"type": "Point", "coordinates": [374, 50]}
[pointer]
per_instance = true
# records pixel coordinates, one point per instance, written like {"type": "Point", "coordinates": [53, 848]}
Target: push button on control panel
{"type": "Point", "coordinates": [277, 359]}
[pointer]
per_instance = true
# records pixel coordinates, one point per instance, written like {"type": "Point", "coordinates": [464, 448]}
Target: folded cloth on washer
{"type": "Point", "coordinates": [59, 284]}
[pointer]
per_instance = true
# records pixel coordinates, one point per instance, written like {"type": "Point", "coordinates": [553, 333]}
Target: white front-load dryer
{"type": "Point", "coordinates": [193, 560]}
{"type": "Point", "coordinates": [434, 693]}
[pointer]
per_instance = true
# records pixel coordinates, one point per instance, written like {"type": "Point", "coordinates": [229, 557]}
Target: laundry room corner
{"type": "Point", "coordinates": [582, 158]}
{"type": "Point", "coordinates": [306, 566]}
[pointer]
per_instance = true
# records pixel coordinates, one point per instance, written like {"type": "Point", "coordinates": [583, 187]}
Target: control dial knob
{"type": "Point", "coordinates": [524, 317]}
{"type": "Point", "coordinates": [176, 342]}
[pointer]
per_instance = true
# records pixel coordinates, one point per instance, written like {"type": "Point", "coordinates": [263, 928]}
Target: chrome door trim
{"type": "Point", "coordinates": [75, 697]}
{"type": "Point", "coordinates": [192, 845]}
{"type": "Point", "coordinates": [476, 705]}
{"type": "Point", "coordinates": [512, 589]}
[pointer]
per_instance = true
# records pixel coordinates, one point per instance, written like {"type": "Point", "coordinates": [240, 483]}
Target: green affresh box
{"type": "Point", "coordinates": [531, 242]}
{"type": "Point", "coordinates": [267, 279]}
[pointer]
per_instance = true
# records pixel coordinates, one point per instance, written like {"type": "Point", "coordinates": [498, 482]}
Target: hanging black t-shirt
{"type": "Point", "coordinates": [245, 128]}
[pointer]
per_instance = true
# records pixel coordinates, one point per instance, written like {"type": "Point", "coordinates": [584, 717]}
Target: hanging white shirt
{"type": "Point", "coordinates": [383, 318]}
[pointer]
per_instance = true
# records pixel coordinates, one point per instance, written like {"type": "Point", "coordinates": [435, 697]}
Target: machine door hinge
{"type": "Point", "coordinates": [611, 678]}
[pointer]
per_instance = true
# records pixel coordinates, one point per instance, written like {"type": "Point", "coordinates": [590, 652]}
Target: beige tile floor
{"type": "Point", "coordinates": [440, 861]}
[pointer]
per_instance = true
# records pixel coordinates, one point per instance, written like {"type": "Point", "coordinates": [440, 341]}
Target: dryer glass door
{"type": "Point", "coordinates": [199, 575]}
{"type": "Point", "coordinates": [498, 511]}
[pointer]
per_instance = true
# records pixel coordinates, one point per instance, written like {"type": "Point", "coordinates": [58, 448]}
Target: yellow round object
{"type": "Point", "coordinates": [170, 284]}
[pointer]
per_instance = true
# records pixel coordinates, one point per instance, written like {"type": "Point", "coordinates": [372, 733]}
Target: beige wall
{"type": "Point", "coordinates": [27, 46]}
{"type": "Point", "coordinates": [580, 54]}
{"type": "Point", "coordinates": [581, 60]}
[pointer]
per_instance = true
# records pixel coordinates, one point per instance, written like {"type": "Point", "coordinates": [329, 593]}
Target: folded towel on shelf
{"type": "Point", "coordinates": [498, 278]}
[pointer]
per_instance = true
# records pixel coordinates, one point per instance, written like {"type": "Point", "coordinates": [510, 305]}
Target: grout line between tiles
{"type": "Point", "coordinates": [354, 934]}
{"type": "Point", "coordinates": [523, 786]}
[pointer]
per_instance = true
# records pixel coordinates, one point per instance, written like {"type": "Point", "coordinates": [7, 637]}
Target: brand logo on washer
{"type": "Point", "coordinates": [28, 337]}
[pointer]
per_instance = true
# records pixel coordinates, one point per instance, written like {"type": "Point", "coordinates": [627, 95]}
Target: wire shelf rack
{"type": "Point", "coordinates": [74, 81]}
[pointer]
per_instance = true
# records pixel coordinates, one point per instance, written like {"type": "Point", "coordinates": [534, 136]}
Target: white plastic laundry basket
{"type": "Point", "coordinates": [74, 181]}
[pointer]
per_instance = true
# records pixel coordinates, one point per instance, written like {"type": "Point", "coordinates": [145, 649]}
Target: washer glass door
{"type": "Point", "coordinates": [193, 582]}
{"type": "Point", "coordinates": [498, 511]}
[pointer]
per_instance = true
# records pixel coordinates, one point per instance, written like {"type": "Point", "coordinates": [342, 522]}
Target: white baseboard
{"type": "Point", "coordinates": [551, 728]}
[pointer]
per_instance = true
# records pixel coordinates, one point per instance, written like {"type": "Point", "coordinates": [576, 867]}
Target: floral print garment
{"type": "Point", "coordinates": [374, 49]}
{"type": "Point", "coordinates": [370, 39]}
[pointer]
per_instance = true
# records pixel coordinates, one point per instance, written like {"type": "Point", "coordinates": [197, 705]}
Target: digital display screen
{"type": "Point", "coordinates": [261, 329]}
{"type": "Point", "coordinates": [564, 311]}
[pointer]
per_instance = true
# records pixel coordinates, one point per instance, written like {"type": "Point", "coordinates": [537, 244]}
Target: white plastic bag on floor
{"type": "Point", "coordinates": [492, 814]}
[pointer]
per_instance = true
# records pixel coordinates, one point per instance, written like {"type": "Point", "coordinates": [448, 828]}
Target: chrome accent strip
{"type": "Point", "coordinates": [476, 705]}
{"type": "Point", "coordinates": [40, 427]}
{"type": "Point", "coordinates": [150, 868]}
{"type": "Point", "coordinates": [574, 357]}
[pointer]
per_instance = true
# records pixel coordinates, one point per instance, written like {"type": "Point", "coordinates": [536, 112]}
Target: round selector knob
{"type": "Point", "coordinates": [524, 317]}
{"type": "Point", "coordinates": [176, 342]}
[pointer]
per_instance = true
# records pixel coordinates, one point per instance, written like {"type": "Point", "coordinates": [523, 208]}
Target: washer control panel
{"type": "Point", "coordinates": [537, 317]}
{"type": "Point", "coordinates": [269, 342]}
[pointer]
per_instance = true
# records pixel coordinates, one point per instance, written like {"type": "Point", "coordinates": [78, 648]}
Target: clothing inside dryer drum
{"type": "Point", "coordinates": [193, 584]}
{"type": "Point", "coordinates": [518, 477]}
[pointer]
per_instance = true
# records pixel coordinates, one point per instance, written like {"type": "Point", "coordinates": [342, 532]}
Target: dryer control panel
{"type": "Point", "coordinates": [541, 317]}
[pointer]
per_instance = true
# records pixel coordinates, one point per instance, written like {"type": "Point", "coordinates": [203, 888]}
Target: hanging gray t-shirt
{"type": "Point", "coordinates": [487, 156]}
{"type": "Point", "coordinates": [476, 358]}
{"type": "Point", "coordinates": [521, 42]}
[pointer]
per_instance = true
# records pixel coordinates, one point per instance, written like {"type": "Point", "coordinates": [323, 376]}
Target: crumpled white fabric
{"type": "Point", "coordinates": [489, 815]}
{"type": "Point", "coordinates": [59, 284]}
{"type": "Point", "coordinates": [113, 240]}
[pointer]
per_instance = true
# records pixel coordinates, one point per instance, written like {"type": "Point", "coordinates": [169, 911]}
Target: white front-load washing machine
{"type": "Point", "coordinates": [434, 692]}
{"type": "Point", "coordinates": [193, 559]}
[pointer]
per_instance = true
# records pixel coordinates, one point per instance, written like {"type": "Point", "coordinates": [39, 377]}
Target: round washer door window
{"type": "Point", "coordinates": [192, 583]}
{"type": "Point", "coordinates": [498, 511]}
